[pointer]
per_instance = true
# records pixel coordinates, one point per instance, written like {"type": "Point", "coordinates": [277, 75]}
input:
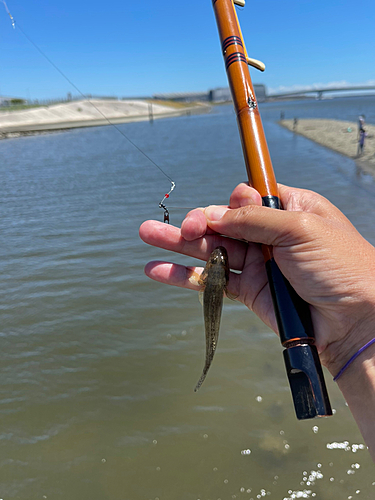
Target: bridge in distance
{"type": "Point", "coordinates": [319, 92]}
{"type": "Point", "coordinates": [222, 94]}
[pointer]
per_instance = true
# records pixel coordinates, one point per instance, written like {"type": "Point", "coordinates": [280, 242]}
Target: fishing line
{"type": "Point", "coordinates": [9, 14]}
{"type": "Point", "coordinates": [173, 184]}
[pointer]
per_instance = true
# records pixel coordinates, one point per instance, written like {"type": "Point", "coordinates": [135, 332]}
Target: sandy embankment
{"type": "Point", "coordinates": [341, 136]}
{"type": "Point", "coordinates": [87, 114]}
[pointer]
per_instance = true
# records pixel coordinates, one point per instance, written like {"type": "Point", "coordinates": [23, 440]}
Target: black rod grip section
{"type": "Point", "coordinates": [302, 362]}
{"type": "Point", "coordinates": [292, 312]}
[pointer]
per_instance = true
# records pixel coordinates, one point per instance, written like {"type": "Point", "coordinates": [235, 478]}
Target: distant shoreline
{"type": "Point", "coordinates": [340, 136]}
{"type": "Point", "coordinates": [94, 113]}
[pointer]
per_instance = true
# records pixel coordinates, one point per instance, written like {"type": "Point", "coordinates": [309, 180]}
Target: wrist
{"type": "Point", "coordinates": [353, 358]}
{"type": "Point", "coordinates": [357, 385]}
{"type": "Point", "coordinates": [340, 352]}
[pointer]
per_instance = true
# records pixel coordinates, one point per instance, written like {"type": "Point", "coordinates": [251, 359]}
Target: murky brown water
{"type": "Point", "coordinates": [98, 364]}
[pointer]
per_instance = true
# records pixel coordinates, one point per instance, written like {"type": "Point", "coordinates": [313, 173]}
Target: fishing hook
{"type": "Point", "coordinates": [161, 204]}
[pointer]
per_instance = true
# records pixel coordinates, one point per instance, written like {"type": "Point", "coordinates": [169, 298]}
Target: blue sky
{"type": "Point", "coordinates": [134, 48]}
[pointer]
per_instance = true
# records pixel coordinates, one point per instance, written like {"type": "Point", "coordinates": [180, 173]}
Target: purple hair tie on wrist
{"type": "Point", "coordinates": [353, 358]}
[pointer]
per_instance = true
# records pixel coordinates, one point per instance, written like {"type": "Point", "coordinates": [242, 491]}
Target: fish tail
{"type": "Point", "coordinates": [200, 381]}
{"type": "Point", "coordinates": [203, 376]}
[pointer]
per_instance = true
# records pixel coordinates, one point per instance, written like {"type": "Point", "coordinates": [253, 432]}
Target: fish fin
{"type": "Point", "coordinates": [198, 279]}
{"type": "Point", "coordinates": [203, 277]}
{"type": "Point", "coordinates": [200, 295]}
{"type": "Point", "coordinates": [194, 277]}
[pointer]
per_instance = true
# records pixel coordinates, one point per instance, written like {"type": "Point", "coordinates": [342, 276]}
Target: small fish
{"type": "Point", "coordinates": [214, 279]}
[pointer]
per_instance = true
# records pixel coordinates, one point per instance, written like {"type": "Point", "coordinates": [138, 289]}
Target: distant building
{"type": "Point", "coordinates": [182, 96]}
{"type": "Point", "coordinates": [220, 95]}
{"type": "Point", "coordinates": [223, 94]}
{"type": "Point", "coordinates": [260, 91]}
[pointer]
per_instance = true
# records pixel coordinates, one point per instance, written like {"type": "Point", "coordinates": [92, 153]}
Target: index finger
{"type": "Point", "coordinates": [169, 237]}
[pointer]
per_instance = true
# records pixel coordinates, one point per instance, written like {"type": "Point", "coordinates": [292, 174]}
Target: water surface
{"type": "Point", "coordinates": [98, 363]}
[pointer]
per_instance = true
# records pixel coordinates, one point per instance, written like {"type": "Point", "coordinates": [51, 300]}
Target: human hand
{"type": "Point", "coordinates": [329, 264]}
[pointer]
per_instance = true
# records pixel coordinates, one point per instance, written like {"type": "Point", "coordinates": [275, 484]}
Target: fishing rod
{"type": "Point", "coordinates": [293, 316]}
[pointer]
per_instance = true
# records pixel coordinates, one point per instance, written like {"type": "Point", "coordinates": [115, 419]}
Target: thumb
{"type": "Point", "coordinates": [261, 224]}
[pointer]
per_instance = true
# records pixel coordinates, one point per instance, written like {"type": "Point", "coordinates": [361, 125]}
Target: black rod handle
{"type": "Point", "coordinates": [301, 357]}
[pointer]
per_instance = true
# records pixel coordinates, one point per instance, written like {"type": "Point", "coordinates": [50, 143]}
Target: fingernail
{"type": "Point", "coordinates": [253, 199]}
{"type": "Point", "coordinates": [215, 213]}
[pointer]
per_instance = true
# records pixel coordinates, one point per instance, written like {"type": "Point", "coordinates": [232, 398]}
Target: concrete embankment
{"type": "Point", "coordinates": [340, 136]}
{"type": "Point", "coordinates": [88, 114]}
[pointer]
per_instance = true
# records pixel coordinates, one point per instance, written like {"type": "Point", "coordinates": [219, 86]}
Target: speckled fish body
{"type": "Point", "coordinates": [214, 279]}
